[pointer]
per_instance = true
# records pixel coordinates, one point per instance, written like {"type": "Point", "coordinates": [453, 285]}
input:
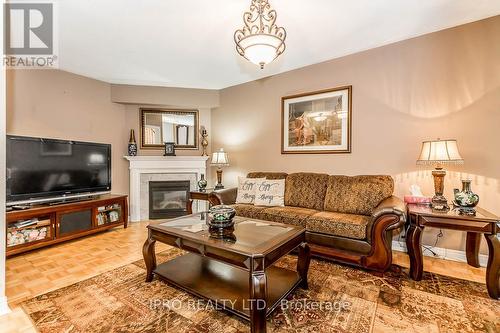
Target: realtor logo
{"type": "Point", "coordinates": [29, 35]}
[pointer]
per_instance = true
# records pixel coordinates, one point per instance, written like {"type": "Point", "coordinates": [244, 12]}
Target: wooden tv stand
{"type": "Point", "coordinates": [59, 223]}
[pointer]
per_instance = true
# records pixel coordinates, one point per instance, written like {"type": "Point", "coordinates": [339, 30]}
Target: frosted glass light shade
{"type": "Point", "coordinates": [260, 49]}
{"type": "Point", "coordinates": [440, 152]}
{"type": "Point", "coordinates": [219, 158]}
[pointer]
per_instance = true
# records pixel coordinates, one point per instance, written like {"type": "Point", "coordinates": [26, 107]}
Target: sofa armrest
{"type": "Point", "coordinates": [393, 206]}
{"type": "Point", "coordinates": [224, 197]}
{"type": "Point", "coordinates": [388, 216]}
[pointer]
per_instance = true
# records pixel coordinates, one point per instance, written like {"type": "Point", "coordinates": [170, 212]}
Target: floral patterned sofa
{"type": "Point", "coordinates": [348, 219]}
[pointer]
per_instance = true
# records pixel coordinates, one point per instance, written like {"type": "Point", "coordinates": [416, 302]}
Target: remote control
{"type": "Point", "coordinates": [21, 207]}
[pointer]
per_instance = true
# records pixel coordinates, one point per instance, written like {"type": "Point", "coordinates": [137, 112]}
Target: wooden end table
{"type": "Point", "coordinates": [484, 223]}
{"type": "Point", "coordinates": [199, 195]}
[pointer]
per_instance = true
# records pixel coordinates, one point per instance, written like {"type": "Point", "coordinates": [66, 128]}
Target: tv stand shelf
{"type": "Point", "coordinates": [45, 225]}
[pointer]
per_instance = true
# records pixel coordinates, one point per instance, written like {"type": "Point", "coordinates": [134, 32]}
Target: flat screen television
{"type": "Point", "coordinates": [49, 168]}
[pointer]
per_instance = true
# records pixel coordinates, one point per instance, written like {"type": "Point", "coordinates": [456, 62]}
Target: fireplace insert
{"type": "Point", "coordinates": [168, 199]}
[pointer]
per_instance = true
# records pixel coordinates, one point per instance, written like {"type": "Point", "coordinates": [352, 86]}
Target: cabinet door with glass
{"type": "Point", "coordinates": [108, 214]}
{"type": "Point", "coordinates": [29, 231]}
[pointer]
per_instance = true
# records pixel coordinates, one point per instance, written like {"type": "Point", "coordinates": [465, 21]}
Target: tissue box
{"type": "Point", "coordinates": [411, 199]}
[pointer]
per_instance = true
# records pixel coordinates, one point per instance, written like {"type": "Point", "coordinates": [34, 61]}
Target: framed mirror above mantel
{"type": "Point", "coordinates": [169, 125]}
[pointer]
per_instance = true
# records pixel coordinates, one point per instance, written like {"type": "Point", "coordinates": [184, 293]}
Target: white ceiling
{"type": "Point", "coordinates": [189, 43]}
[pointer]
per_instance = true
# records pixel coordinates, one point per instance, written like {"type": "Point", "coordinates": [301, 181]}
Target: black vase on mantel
{"type": "Point", "coordinates": [202, 183]}
{"type": "Point", "coordinates": [132, 145]}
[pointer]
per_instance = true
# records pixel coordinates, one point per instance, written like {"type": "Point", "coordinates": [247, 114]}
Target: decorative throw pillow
{"type": "Point", "coordinates": [246, 190]}
{"type": "Point", "coordinates": [270, 193]}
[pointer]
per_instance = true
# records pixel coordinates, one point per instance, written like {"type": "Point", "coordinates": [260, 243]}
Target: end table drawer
{"type": "Point", "coordinates": [456, 224]}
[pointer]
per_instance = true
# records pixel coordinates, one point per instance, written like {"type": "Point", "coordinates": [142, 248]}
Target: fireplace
{"type": "Point", "coordinates": [145, 169]}
{"type": "Point", "coordinates": [168, 199]}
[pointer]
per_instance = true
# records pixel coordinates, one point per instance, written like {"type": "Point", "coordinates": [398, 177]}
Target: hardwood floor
{"type": "Point", "coordinates": [454, 269]}
{"type": "Point", "coordinates": [43, 270]}
{"type": "Point", "coordinates": [47, 269]}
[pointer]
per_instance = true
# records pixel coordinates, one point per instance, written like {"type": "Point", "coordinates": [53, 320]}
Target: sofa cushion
{"type": "Point", "coordinates": [358, 194]}
{"type": "Point", "coordinates": [306, 190]}
{"type": "Point", "coordinates": [267, 175]}
{"type": "Point", "coordinates": [270, 193]}
{"type": "Point", "coordinates": [248, 210]}
{"type": "Point", "coordinates": [288, 215]}
{"type": "Point", "coordinates": [247, 188]}
{"type": "Point", "coordinates": [339, 224]}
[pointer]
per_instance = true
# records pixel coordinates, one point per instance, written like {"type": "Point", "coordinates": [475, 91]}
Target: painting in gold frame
{"type": "Point", "coordinates": [317, 122]}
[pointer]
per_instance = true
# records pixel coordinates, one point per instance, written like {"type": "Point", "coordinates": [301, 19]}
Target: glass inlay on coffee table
{"type": "Point", "coordinates": [236, 271]}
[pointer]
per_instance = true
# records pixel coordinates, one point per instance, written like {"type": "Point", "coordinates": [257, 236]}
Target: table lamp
{"type": "Point", "coordinates": [439, 152]}
{"type": "Point", "coordinates": [219, 159]}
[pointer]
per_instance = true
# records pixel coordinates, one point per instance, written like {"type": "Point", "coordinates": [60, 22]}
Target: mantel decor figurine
{"type": "Point", "coordinates": [132, 144]}
{"type": "Point", "coordinates": [202, 183]}
{"type": "Point", "coordinates": [204, 141]}
{"type": "Point", "coordinates": [169, 149]}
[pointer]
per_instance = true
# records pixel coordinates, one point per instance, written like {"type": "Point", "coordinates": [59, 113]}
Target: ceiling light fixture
{"type": "Point", "coordinates": [260, 41]}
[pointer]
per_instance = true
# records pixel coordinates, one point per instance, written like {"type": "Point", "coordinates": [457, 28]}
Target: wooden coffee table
{"type": "Point", "coordinates": [236, 272]}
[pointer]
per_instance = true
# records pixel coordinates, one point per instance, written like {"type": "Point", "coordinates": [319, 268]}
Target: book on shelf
{"type": "Point", "coordinates": [25, 223]}
{"type": "Point", "coordinates": [100, 219]}
{"type": "Point", "coordinates": [30, 223]}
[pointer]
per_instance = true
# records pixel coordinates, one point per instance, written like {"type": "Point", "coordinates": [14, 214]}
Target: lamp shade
{"type": "Point", "coordinates": [440, 152]}
{"type": "Point", "coordinates": [219, 158]}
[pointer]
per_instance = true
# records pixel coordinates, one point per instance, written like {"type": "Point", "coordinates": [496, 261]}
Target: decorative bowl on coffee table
{"type": "Point", "coordinates": [221, 216]}
{"type": "Point", "coordinates": [224, 234]}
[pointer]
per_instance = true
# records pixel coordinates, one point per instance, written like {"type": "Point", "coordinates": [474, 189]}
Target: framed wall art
{"type": "Point", "coordinates": [317, 122]}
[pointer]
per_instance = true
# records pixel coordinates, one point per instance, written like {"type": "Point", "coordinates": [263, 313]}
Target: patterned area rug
{"type": "Point", "coordinates": [339, 299]}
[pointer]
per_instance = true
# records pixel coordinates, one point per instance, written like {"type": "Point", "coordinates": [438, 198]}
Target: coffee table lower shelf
{"type": "Point", "coordinates": [219, 282]}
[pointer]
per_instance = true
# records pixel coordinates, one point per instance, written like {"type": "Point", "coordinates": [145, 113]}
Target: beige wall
{"type": "Point", "coordinates": [135, 97]}
{"type": "Point", "coordinates": [57, 104]}
{"type": "Point", "coordinates": [179, 97]}
{"type": "Point", "coordinates": [133, 118]}
{"type": "Point", "coordinates": [445, 84]}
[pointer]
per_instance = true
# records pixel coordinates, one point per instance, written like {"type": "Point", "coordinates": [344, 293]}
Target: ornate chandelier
{"type": "Point", "coordinates": [260, 40]}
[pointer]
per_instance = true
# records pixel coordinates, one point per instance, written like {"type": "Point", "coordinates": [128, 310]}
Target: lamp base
{"type": "Point", "coordinates": [219, 185]}
{"type": "Point", "coordinates": [440, 203]}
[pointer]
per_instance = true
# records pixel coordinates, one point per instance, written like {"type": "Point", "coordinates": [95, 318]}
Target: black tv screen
{"type": "Point", "coordinates": [38, 167]}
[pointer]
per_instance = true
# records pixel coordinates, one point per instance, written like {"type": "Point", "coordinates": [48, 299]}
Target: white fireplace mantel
{"type": "Point", "coordinates": [159, 165]}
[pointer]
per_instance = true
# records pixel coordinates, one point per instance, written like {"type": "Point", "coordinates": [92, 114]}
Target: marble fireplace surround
{"type": "Point", "coordinates": [144, 169]}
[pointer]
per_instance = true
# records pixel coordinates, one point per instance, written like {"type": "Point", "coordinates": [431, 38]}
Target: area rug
{"type": "Point", "coordinates": [339, 299]}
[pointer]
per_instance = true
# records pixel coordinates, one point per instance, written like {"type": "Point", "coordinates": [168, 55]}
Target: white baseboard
{"type": "Point", "coordinates": [442, 253]}
{"type": "Point", "coordinates": [4, 306]}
